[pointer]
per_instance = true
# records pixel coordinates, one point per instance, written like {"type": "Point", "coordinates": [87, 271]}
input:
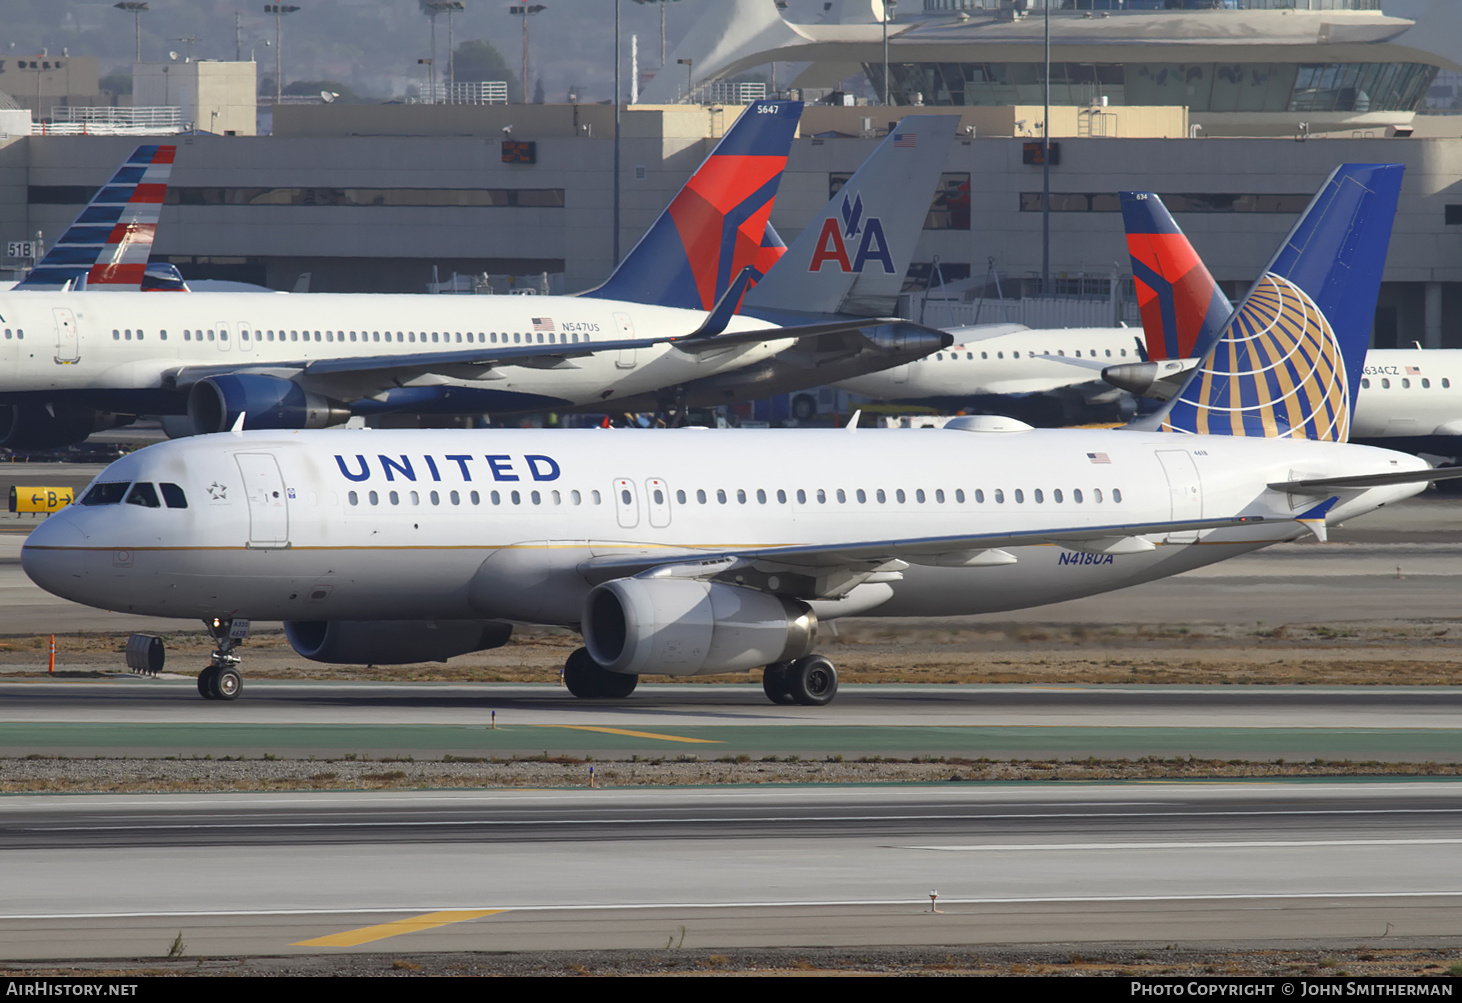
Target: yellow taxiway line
{"type": "Point", "coordinates": [638, 734]}
{"type": "Point", "coordinates": [426, 921]}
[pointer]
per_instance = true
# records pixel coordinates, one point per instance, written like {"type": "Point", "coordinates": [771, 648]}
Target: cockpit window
{"type": "Point", "coordinates": [110, 493]}
{"type": "Point", "coordinates": [173, 495]}
{"type": "Point", "coordinates": [143, 494]}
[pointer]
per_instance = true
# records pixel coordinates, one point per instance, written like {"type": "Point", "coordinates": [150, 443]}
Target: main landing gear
{"type": "Point", "coordinates": [220, 678]}
{"type": "Point", "coordinates": [587, 678]}
{"type": "Point", "coordinates": [811, 681]}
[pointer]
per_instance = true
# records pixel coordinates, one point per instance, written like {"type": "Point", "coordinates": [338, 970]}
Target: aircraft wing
{"type": "Point", "coordinates": [812, 360]}
{"type": "Point", "coordinates": [824, 570]}
{"type": "Point", "coordinates": [466, 363]}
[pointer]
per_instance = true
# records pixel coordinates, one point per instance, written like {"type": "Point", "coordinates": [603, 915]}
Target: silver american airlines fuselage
{"type": "Point", "coordinates": [138, 352]}
{"type": "Point", "coordinates": [521, 525]}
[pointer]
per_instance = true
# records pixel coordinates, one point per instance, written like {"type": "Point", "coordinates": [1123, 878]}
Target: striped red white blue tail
{"type": "Point", "coordinates": [107, 247]}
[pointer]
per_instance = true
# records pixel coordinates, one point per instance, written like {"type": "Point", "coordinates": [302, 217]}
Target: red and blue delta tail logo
{"type": "Point", "coordinates": [1182, 306]}
{"type": "Point", "coordinates": [849, 242]}
{"type": "Point", "coordinates": [108, 245]}
{"type": "Point", "coordinates": [716, 226]}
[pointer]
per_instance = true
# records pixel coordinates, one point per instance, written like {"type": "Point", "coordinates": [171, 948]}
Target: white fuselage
{"type": "Point", "coordinates": [1409, 393]}
{"type": "Point", "coordinates": [1014, 363]}
{"type": "Point", "coordinates": [355, 525]}
{"type": "Point", "coordinates": [68, 345]}
{"type": "Point", "coordinates": [1404, 393]}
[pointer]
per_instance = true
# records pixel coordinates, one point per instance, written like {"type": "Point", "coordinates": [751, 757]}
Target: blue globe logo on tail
{"type": "Point", "coordinates": [1277, 371]}
{"type": "Point", "coordinates": [1287, 362]}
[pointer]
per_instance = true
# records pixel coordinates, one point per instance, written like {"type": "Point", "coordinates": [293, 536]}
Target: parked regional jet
{"type": "Point", "coordinates": [1047, 376]}
{"type": "Point", "coordinates": [71, 361]}
{"type": "Point", "coordinates": [694, 551]}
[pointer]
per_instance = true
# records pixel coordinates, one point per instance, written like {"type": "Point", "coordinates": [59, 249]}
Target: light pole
{"type": "Point", "coordinates": [615, 243]}
{"type": "Point", "coordinates": [135, 9]}
{"type": "Point", "coordinates": [887, 4]}
{"type": "Point", "coordinates": [662, 4]}
{"type": "Point", "coordinates": [431, 78]}
{"type": "Point", "coordinates": [1046, 169]}
{"type": "Point", "coordinates": [689, 65]}
{"type": "Point", "coordinates": [523, 10]}
{"type": "Point", "coordinates": [451, 7]}
{"type": "Point", "coordinates": [279, 10]}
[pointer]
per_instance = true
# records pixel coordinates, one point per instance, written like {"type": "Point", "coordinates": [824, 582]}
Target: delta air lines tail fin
{"type": "Point", "coordinates": [714, 228]}
{"type": "Point", "coordinates": [107, 247]}
{"type": "Point", "coordinates": [853, 256]}
{"type": "Point", "coordinates": [1287, 362]}
{"type": "Point", "coordinates": [1182, 306]}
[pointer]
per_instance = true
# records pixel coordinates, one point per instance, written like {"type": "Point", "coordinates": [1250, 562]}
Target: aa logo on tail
{"type": "Point", "coordinates": [835, 240]}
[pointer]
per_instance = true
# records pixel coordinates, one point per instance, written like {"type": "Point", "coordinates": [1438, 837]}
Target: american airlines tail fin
{"type": "Point", "coordinates": [106, 248]}
{"type": "Point", "coordinates": [1287, 361]}
{"type": "Point", "coordinates": [1182, 306]}
{"type": "Point", "coordinates": [714, 227]}
{"type": "Point", "coordinates": [852, 258]}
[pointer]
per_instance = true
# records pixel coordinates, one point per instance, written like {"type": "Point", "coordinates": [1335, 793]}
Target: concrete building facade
{"type": "Point", "coordinates": [344, 194]}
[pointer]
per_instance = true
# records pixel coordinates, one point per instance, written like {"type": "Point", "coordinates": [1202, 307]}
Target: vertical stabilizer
{"type": "Point", "coordinates": [853, 256]}
{"type": "Point", "coordinates": [1286, 363]}
{"type": "Point", "coordinates": [107, 247]}
{"type": "Point", "coordinates": [714, 227]}
{"type": "Point", "coordinates": [1182, 306]}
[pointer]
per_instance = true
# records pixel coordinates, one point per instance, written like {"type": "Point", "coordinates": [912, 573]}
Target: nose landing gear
{"type": "Point", "coordinates": [221, 678]}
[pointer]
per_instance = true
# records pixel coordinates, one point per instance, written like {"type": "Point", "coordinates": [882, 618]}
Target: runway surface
{"type": "Point", "coordinates": [793, 866]}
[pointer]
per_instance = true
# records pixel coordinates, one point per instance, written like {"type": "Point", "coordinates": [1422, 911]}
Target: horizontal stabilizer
{"type": "Point", "coordinates": [1319, 485]}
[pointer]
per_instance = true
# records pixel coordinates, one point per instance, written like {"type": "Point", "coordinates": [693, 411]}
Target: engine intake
{"type": "Point", "coordinates": [215, 404]}
{"type": "Point", "coordinates": [684, 627]}
{"type": "Point", "coordinates": [393, 642]}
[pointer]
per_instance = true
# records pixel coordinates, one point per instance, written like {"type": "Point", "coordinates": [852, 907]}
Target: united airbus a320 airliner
{"type": "Point", "coordinates": [692, 551]}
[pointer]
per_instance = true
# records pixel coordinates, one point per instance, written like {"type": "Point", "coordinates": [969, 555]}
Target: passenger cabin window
{"type": "Point", "coordinates": [110, 493]}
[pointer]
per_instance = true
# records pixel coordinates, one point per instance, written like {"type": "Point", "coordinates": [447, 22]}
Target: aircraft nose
{"type": "Point", "coordinates": [52, 556]}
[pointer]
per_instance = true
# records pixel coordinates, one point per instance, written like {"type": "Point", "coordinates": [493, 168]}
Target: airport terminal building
{"type": "Point", "coordinates": [384, 197]}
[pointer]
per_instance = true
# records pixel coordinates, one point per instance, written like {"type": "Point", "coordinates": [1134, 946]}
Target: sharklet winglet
{"type": "Point", "coordinates": [1313, 518]}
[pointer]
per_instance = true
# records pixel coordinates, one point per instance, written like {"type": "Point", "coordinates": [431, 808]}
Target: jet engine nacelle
{"type": "Point", "coordinates": [215, 404]}
{"type": "Point", "coordinates": [1156, 380]}
{"type": "Point", "coordinates": [684, 627]}
{"type": "Point", "coordinates": [27, 427]}
{"type": "Point", "coordinates": [393, 642]}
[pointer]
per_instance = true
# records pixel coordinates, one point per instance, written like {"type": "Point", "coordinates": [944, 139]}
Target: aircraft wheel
{"type": "Point", "coordinates": [813, 681]}
{"type": "Point", "coordinates": [228, 684]}
{"type": "Point", "coordinates": [206, 682]}
{"type": "Point", "coordinates": [587, 679]}
{"type": "Point", "coordinates": [804, 406]}
{"type": "Point", "coordinates": [775, 685]}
